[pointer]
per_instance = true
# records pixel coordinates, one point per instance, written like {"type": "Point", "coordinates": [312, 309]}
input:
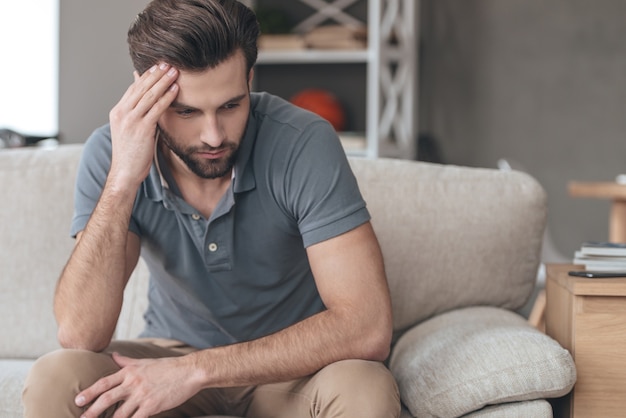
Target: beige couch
{"type": "Point", "coordinates": [461, 248]}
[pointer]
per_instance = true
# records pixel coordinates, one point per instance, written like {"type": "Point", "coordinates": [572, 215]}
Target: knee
{"type": "Point", "coordinates": [361, 388]}
{"type": "Point", "coordinates": [56, 378]}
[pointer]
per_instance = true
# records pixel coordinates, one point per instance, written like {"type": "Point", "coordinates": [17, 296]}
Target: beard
{"type": "Point", "coordinates": [202, 167]}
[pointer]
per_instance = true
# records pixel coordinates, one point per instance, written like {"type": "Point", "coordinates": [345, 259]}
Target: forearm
{"type": "Point", "coordinates": [357, 323]}
{"type": "Point", "coordinates": [89, 294]}
{"type": "Point", "coordinates": [296, 351]}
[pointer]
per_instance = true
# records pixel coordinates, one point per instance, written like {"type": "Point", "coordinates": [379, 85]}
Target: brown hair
{"type": "Point", "coordinates": [192, 35]}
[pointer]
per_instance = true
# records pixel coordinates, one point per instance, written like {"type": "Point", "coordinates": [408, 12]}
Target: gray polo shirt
{"type": "Point", "coordinates": [243, 273]}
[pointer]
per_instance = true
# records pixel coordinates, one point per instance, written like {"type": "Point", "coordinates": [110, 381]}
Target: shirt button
{"type": "Point", "coordinates": [195, 217]}
{"type": "Point", "coordinates": [212, 247]}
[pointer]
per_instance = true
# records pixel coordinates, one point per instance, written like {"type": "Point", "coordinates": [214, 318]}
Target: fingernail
{"type": "Point", "coordinates": [171, 72]}
{"type": "Point", "coordinates": [153, 68]}
{"type": "Point", "coordinates": [80, 400]}
{"type": "Point", "coordinates": [163, 66]}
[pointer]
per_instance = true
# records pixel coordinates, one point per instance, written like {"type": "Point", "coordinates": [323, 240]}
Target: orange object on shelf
{"type": "Point", "coordinates": [323, 103]}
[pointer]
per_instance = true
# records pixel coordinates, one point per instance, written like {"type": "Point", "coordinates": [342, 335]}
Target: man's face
{"type": "Point", "coordinates": [204, 125]}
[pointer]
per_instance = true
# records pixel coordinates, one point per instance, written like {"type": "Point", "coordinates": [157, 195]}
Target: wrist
{"type": "Point", "coordinates": [122, 185]}
{"type": "Point", "coordinates": [197, 370]}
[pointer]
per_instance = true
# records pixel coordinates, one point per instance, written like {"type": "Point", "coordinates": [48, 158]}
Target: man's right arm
{"type": "Point", "coordinates": [89, 294]}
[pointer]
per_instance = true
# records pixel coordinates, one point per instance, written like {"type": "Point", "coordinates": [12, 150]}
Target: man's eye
{"type": "Point", "coordinates": [229, 106]}
{"type": "Point", "coordinates": [185, 112]}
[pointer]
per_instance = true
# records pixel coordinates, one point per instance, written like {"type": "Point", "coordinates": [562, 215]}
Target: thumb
{"type": "Point", "coordinates": [121, 360]}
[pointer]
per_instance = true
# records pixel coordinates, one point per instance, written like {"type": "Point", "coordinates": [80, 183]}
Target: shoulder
{"type": "Point", "coordinates": [98, 146]}
{"type": "Point", "coordinates": [280, 111]}
{"type": "Point", "coordinates": [275, 115]}
{"type": "Point", "coordinates": [96, 156]}
{"type": "Point", "coordinates": [287, 131]}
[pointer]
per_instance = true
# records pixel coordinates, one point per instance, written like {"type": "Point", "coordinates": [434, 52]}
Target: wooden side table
{"type": "Point", "coordinates": [613, 191]}
{"type": "Point", "coordinates": [588, 317]}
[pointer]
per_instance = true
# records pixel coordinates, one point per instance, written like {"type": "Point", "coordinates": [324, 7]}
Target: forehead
{"type": "Point", "coordinates": [214, 85]}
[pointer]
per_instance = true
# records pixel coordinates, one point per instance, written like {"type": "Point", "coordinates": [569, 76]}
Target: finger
{"type": "Point", "coordinates": [109, 399]}
{"type": "Point", "coordinates": [127, 409]}
{"type": "Point", "coordinates": [121, 360]}
{"type": "Point", "coordinates": [135, 89]}
{"type": "Point", "coordinates": [163, 103]}
{"type": "Point", "coordinates": [136, 106]}
{"type": "Point", "coordinates": [97, 389]}
{"type": "Point", "coordinates": [145, 83]}
{"type": "Point", "coordinates": [162, 87]}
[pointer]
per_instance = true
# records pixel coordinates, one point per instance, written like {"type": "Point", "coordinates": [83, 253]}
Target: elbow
{"type": "Point", "coordinates": [379, 346]}
{"type": "Point", "coordinates": [377, 340]}
{"type": "Point", "coordinates": [70, 339]}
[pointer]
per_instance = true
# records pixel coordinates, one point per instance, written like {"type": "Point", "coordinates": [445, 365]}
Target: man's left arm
{"type": "Point", "coordinates": [357, 324]}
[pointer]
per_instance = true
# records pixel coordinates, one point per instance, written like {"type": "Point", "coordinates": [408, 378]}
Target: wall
{"type": "Point", "coordinates": [95, 69]}
{"type": "Point", "coordinates": [539, 82]}
{"type": "Point", "coordinates": [94, 66]}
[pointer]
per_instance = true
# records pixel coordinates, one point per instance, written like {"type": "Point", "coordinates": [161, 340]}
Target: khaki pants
{"type": "Point", "coordinates": [349, 388]}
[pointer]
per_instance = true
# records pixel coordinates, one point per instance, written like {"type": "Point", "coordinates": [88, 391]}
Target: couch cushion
{"type": "Point", "coordinates": [453, 236]}
{"type": "Point", "coordinates": [463, 360]}
{"type": "Point", "coordinates": [12, 377]}
{"type": "Point", "coordinates": [539, 408]}
{"type": "Point", "coordinates": [38, 188]}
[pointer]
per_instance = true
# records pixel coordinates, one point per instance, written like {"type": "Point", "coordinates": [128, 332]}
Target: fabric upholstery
{"type": "Point", "coordinates": [463, 360]}
{"type": "Point", "coordinates": [452, 238]}
{"type": "Point", "coordinates": [472, 235]}
{"type": "Point", "coordinates": [12, 377]}
{"type": "Point", "coordinates": [34, 245]}
{"type": "Point", "coordinates": [404, 413]}
{"type": "Point", "coordinates": [536, 409]}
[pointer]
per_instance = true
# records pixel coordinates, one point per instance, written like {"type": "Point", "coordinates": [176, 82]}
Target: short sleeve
{"type": "Point", "coordinates": [321, 187]}
{"type": "Point", "coordinates": [93, 170]}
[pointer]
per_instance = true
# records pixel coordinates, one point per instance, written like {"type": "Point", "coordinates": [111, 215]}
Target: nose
{"type": "Point", "coordinates": [212, 133]}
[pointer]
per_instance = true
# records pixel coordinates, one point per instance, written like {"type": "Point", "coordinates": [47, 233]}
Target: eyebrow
{"type": "Point", "coordinates": [178, 105]}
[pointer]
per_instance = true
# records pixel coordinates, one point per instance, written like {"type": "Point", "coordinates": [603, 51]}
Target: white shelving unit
{"type": "Point", "coordinates": [391, 68]}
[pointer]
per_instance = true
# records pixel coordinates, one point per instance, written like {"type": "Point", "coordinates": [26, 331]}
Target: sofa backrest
{"type": "Point", "coordinates": [35, 214]}
{"type": "Point", "coordinates": [453, 236]}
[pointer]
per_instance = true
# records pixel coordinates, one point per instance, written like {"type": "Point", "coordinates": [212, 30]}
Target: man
{"type": "Point", "coordinates": [267, 296]}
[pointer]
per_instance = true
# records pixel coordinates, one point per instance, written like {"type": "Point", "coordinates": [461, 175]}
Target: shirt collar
{"type": "Point", "coordinates": [245, 180]}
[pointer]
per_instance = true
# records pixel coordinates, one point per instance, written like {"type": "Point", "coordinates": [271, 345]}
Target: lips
{"type": "Point", "coordinates": [212, 155]}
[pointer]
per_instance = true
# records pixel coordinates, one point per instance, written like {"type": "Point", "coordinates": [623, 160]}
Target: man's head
{"type": "Point", "coordinates": [213, 45]}
{"type": "Point", "coordinates": [192, 35]}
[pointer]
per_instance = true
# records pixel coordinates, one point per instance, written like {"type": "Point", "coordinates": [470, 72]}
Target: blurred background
{"type": "Point", "coordinates": [541, 84]}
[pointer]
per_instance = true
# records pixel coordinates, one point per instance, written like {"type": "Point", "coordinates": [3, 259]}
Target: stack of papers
{"type": "Point", "coordinates": [337, 37]}
{"type": "Point", "coordinates": [602, 256]}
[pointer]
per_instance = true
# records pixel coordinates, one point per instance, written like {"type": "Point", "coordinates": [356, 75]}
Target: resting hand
{"type": "Point", "coordinates": [143, 388]}
{"type": "Point", "coordinates": [134, 121]}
